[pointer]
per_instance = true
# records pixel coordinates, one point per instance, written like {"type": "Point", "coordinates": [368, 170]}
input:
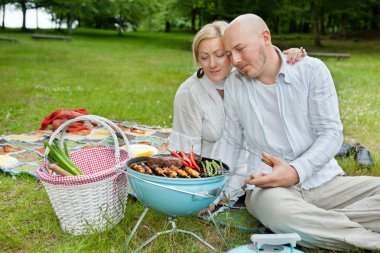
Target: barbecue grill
{"type": "Point", "coordinates": [173, 197]}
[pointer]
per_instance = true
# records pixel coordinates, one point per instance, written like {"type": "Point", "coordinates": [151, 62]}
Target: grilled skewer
{"type": "Point", "coordinates": [192, 172]}
{"type": "Point", "coordinates": [159, 171]}
{"type": "Point", "coordinates": [147, 169]}
{"type": "Point", "coordinates": [180, 172]}
{"type": "Point", "coordinates": [137, 167]}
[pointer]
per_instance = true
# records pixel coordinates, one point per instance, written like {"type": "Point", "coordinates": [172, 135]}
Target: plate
{"type": "Point", "coordinates": [143, 150]}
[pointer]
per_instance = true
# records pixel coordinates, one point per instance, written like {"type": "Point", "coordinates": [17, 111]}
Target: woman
{"type": "Point", "coordinates": [198, 104]}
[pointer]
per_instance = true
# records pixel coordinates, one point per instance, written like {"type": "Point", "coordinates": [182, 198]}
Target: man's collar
{"type": "Point", "coordinates": [284, 66]}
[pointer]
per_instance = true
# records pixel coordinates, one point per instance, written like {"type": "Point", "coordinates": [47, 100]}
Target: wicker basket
{"type": "Point", "coordinates": [96, 200]}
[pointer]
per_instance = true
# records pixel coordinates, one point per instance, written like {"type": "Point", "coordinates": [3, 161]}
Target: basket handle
{"type": "Point", "coordinates": [109, 122]}
{"type": "Point", "coordinates": [97, 119]}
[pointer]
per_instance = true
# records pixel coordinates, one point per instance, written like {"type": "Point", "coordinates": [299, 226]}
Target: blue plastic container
{"type": "Point", "coordinates": [251, 248]}
{"type": "Point", "coordinates": [265, 243]}
{"type": "Point", "coordinates": [174, 196]}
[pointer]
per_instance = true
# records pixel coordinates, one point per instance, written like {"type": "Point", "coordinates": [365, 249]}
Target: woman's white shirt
{"type": "Point", "coordinates": [198, 125]}
{"type": "Point", "coordinates": [198, 117]}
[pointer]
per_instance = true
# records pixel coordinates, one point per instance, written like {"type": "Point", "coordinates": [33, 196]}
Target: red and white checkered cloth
{"type": "Point", "coordinates": [96, 164]}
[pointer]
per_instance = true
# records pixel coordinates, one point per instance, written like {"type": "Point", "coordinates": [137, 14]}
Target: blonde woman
{"type": "Point", "coordinates": [198, 104]}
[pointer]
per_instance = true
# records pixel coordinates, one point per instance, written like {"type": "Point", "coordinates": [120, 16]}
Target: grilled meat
{"type": "Point", "coordinates": [192, 172]}
{"type": "Point", "coordinates": [137, 167]}
{"type": "Point", "coordinates": [180, 172]}
{"type": "Point", "coordinates": [165, 161]}
{"type": "Point", "coordinates": [159, 171]}
{"type": "Point", "coordinates": [147, 169]}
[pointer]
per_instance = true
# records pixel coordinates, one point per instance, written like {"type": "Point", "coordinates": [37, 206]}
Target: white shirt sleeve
{"type": "Point", "coordinates": [232, 137]}
{"type": "Point", "coordinates": [325, 121]}
{"type": "Point", "coordinates": [187, 123]}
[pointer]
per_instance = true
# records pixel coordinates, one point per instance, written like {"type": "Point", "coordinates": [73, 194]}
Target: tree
{"type": "Point", "coordinates": [129, 13]}
{"type": "Point", "coordinates": [315, 10]}
{"type": "Point", "coordinates": [24, 5]}
{"type": "Point", "coordinates": [68, 10]}
{"type": "Point", "coordinates": [193, 10]}
{"type": "Point", "coordinates": [100, 15]}
{"type": "Point", "coordinates": [3, 3]}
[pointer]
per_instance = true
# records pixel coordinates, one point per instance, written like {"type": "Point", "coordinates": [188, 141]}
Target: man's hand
{"type": "Point", "coordinates": [283, 175]}
{"type": "Point", "coordinates": [203, 211]}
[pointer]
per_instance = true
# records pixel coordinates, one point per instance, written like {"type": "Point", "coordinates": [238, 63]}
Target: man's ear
{"type": "Point", "coordinates": [267, 37]}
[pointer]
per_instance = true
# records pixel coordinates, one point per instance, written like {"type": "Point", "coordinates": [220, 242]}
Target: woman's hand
{"type": "Point", "coordinates": [203, 211]}
{"type": "Point", "coordinates": [294, 54]}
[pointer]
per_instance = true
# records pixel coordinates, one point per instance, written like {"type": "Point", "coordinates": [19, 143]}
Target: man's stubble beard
{"type": "Point", "coordinates": [262, 62]}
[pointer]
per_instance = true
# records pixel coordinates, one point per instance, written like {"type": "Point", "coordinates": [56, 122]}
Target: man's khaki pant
{"type": "Point", "coordinates": [339, 215]}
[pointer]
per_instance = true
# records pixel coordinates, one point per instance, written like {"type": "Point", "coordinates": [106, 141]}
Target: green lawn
{"type": "Point", "coordinates": [134, 78]}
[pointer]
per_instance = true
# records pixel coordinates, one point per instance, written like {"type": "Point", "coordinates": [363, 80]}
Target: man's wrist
{"type": "Point", "coordinates": [297, 178]}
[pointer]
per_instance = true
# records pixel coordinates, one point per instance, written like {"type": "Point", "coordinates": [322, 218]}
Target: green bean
{"type": "Point", "coordinates": [216, 167]}
{"type": "Point", "coordinates": [209, 171]}
{"type": "Point", "coordinates": [221, 167]}
{"type": "Point", "coordinates": [204, 169]}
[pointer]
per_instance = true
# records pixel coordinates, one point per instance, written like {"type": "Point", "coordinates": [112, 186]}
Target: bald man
{"type": "Point", "coordinates": [290, 115]}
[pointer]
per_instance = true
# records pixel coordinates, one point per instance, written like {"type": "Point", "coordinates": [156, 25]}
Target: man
{"type": "Point", "coordinates": [290, 114]}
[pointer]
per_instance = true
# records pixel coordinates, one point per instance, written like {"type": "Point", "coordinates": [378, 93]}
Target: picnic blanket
{"type": "Point", "coordinates": [23, 153]}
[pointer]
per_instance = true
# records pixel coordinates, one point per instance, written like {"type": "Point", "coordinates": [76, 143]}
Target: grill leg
{"type": "Point", "coordinates": [135, 228]}
{"type": "Point", "coordinates": [217, 228]}
{"type": "Point", "coordinates": [174, 229]}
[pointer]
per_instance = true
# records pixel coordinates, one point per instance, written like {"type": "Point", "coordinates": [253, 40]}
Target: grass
{"type": "Point", "coordinates": [134, 77]}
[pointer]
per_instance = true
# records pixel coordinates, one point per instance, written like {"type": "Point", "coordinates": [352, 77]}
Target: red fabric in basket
{"type": "Point", "coordinates": [96, 164]}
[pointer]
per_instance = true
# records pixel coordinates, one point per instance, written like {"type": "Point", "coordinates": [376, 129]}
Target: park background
{"type": "Point", "coordinates": [125, 60]}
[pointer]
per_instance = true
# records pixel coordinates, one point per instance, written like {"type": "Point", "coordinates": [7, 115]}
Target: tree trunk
{"type": "Point", "coordinates": [193, 16]}
{"type": "Point", "coordinates": [375, 14]}
{"type": "Point", "coordinates": [200, 19]}
{"type": "Point", "coordinates": [70, 21]}
{"type": "Point", "coordinates": [60, 22]}
{"type": "Point", "coordinates": [344, 22]}
{"type": "Point", "coordinates": [321, 20]}
{"type": "Point", "coordinates": [276, 23]}
{"type": "Point", "coordinates": [167, 26]}
{"type": "Point", "coordinates": [120, 22]}
{"type": "Point", "coordinates": [300, 25]}
{"type": "Point", "coordinates": [3, 23]}
{"type": "Point", "coordinates": [23, 8]}
{"type": "Point", "coordinates": [292, 25]}
{"type": "Point", "coordinates": [37, 18]}
{"type": "Point", "coordinates": [120, 28]}
{"type": "Point", "coordinates": [150, 23]}
{"type": "Point", "coordinates": [315, 14]}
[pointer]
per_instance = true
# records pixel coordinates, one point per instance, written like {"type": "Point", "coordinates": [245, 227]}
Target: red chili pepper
{"type": "Point", "coordinates": [186, 160]}
{"type": "Point", "coordinates": [173, 153]}
{"type": "Point", "coordinates": [195, 166]}
{"type": "Point", "coordinates": [186, 164]}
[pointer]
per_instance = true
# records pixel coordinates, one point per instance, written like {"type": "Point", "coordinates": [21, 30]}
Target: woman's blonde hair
{"type": "Point", "coordinates": [210, 31]}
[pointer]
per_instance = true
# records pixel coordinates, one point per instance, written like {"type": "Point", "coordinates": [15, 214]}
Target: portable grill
{"type": "Point", "coordinates": [174, 197]}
